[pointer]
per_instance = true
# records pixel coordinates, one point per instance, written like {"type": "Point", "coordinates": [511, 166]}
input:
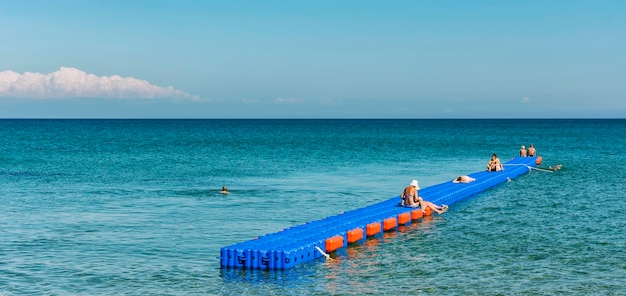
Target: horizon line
{"type": "Point", "coordinates": [305, 118]}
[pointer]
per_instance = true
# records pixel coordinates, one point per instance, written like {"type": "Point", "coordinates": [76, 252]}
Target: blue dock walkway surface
{"type": "Point", "coordinates": [306, 242]}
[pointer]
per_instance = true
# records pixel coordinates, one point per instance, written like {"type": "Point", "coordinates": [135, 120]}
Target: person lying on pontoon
{"type": "Point", "coordinates": [410, 198]}
{"type": "Point", "coordinates": [463, 179]}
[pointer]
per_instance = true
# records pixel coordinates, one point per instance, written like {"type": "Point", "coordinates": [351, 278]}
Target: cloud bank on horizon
{"type": "Point", "coordinates": [70, 82]}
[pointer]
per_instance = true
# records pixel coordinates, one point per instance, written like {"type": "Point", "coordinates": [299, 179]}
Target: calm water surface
{"type": "Point", "coordinates": [132, 207]}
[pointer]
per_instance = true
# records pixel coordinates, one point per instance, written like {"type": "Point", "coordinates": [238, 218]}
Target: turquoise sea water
{"type": "Point", "coordinates": [110, 207]}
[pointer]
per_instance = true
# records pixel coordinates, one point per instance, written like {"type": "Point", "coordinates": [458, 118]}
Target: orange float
{"type": "Point", "coordinates": [417, 214]}
{"type": "Point", "coordinates": [372, 228]}
{"type": "Point", "coordinates": [404, 218]}
{"type": "Point", "coordinates": [334, 243]}
{"type": "Point", "coordinates": [390, 223]}
{"type": "Point", "coordinates": [355, 235]}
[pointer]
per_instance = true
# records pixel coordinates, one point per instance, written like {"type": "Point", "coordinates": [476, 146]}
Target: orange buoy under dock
{"type": "Point", "coordinates": [302, 243]}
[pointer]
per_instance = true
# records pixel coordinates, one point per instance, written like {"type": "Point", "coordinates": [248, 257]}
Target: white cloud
{"type": "Point", "coordinates": [74, 83]}
{"type": "Point", "coordinates": [289, 100]}
{"type": "Point", "coordinates": [525, 99]}
{"type": "Point", "coordinates": [251, 101]}
{"type": "Point", "coordinates": [328, 102]}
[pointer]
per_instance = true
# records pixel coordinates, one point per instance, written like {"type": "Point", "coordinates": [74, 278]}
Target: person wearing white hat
{"type": "Point", "coordinates": [412, 199]}
{"type": "Point", "coordinates": [522, 151]}
{"type": "Point", "coordinates": [409, 195]}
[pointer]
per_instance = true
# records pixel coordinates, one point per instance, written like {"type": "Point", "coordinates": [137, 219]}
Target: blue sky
{"type": "Point", "coordinates": [322, 59]}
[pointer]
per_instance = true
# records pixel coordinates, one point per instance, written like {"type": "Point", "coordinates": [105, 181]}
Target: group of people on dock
{"type": "Point", "coordinates": [410, 197]}
{"type": "Point", "coordinates": [494, 164]}
{"type": "Point", "coordinates": [531, 152]}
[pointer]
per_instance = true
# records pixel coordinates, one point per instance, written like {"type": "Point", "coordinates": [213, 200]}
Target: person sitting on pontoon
{"type": "Point", "coordinates": [411, 199]}
{"type": "Point", "coordinates": [522, 151]}
{"type": "Point", "coordinates": [532, 151]}
{"type": "Point", "coordinates": [409, 195]}
{"type": "Point", "coordinates": [494, 164]}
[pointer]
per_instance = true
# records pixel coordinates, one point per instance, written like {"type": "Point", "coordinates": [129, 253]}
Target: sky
{"type": "Point", "coordinates": [312, 59]}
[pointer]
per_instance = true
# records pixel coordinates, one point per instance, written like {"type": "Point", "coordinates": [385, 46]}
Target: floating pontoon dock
{"type": "Point", "coordinates": [302, 243]}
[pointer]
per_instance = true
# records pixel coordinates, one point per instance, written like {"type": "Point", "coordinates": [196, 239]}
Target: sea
{"type": "Point", "coordinates": [133, 207]}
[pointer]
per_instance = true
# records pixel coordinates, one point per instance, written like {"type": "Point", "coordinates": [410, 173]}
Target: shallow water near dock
{"type": "Point", "coordinates": [109, 207]}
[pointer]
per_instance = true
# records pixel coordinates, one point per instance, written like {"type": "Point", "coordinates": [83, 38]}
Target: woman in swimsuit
{"type": "Point", "coordinates": [410, 198]}
{"type": "Point", "coordinates": [409, 195]}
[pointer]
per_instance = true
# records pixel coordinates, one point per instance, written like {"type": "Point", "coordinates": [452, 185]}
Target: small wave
{"type": "Point", "coordinates": [21, 174]}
